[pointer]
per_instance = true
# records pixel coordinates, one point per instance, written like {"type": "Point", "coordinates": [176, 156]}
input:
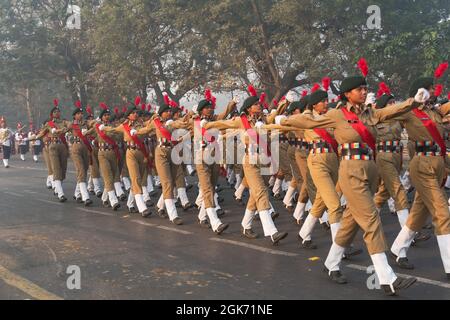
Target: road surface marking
{"type": "Point", "coordinates": [174, 230]}
{"type": "Point", "coordinates": [51, 202]}
{"type": "Point", "coordinates": [144, 223]}
{"type": "Point", "coordinates": [30, 192]}
{"type": "Point", "coordinates": [258, 248]}
{"type": "Point", "coordinates": [98, 212]}
{"type": "Point", "coordinates": [419, 279]}
{"type": "Point", "coordinates": [26, 286]}
{"type": "Point", "coordinates": [38, 169]}
{"type": "Point", "coordinates": [14, 194]}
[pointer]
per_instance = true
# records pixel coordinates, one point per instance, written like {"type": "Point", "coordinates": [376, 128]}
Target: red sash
{"type": "Point", "coordinates": [79, 134]}
{"type": "Point", "coordinates": [254, 135]}
{"type": "Point", "coordinates": [204, 132]}
{"type": "Point", "coordinates": [359, 127]}
{"type": "Point", "coordinates": [166, 133]}
{"type": "Point", "coordinates": [328, 138]}
{"type": "Point", "coordinates": [137, 142]}
{"type": "Point", "coordinates": [108, 140]}
{"type": "Point", "coordinates": [54, 126]}
{"type": "Point", "coordinates": [432, 130]}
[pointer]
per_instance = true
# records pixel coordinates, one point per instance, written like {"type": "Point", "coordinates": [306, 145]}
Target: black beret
{"type": "Point", "coordinates": [249, 102]}
{"type": "Point", "coordinates": [203, 104]}
{"type": "Point", "coordinates": [77, 110]}
{"type": "Point", "coordinates": [332, 105]}
{"type": "Point", "coordinates": [317, 96]}
{"type": "Point", "coordinates": [164, 108]}
{"type": "Point", "coordinates": [383, 100]}
{"type": "Point", "coordinates": [130, 110]}
{"type": "Point", "coordinates": [350, 83]}
{"type": "Point", "coordinates": [103, 112]}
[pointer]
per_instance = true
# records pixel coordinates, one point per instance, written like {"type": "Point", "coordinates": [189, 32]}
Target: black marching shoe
{"type": "Point", "coordinates": [221, 228]}
{"type": "Point", "coordinates": [146, 213]}
{"type": "Point", "coordinates": [123, 197]}
{"type": "Point", "coordinates": [249, 233]}
{"type": "Point", "coordinates": [306, 244]}
{"type": "Point", "coordinates": [187, 206]}
{"type": "Point", "coordinates": [239, 200]}
{"type": "Point", "coordinates": [62, 199]}
{"type": "Point", "coordinates": [106, 204]}
{"type": "Point", "coordinates": [116, 206]}
{"type": "Point", "coordinates": [350, 252]}
{"type": "Point", "coordinates": [290, 209]}
{"type": "Point", "coordinates": [132, 210]}
{"type": "Point", "coordinates": [336, 276]}
{"type": "Point", "coordinates": [88, 202]}
{"type": "Point", "coordinates": [178, 221]}
{"type": "Point", "coordinates": [204, 224]}
{"type": "Point", "coordinates": [325, 226]}
{"type": "Point", "coordinates": [420, 237]}
{"type": "Point", "coordinates": [277, 237]}
{"type": "Point", "coordinates": [162, 213]}
{"type": "Point", "coordinates": [99, 194]}
{"type": "Point", "coordinates": [399, 284]}
{"type": "Point", "coordinates": [91, 192]}
{"type": "Point", "coordinates": [402, 263]}
{"type": "Point", "coordinates": [149, 203]}
{"type": "Point", "coordinates": [274, 215]}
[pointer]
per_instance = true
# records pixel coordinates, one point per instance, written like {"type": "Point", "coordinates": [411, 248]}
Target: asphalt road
{"type": "Point", "coordinates": [122, 256]}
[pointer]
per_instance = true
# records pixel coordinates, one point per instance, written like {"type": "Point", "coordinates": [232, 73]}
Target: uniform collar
{"type": "Point", "coordinates": [357, 110]}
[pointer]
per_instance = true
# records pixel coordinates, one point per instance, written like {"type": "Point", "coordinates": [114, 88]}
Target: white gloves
{"type": "Point", "coordinates": [370, 98]}
{"type": "Point", "coordinates": [168, 122]}
{"type": "Point", "coordinates": [203, 123]}
{"type": "Point", "coordinates": [101, 127]}
{"type": "Point", "coordinates": [422, 95]}
{"type": "Point", "coordinates": [273, 111]}
{"type": "Point", "coordinates": [278, 119]}
{"type": "Point", "coordinates": [259, 124]}
{"type": "Point", "coordinates": [53, 130]}
{"type": "Point", "coordinates": [83, 131]}
{"type": "Point", "coordinates": [133, 132]}
{"type": "Point", "coordinates": [236, 99]}
{"type": "Point", "coordinates": [290, 96]}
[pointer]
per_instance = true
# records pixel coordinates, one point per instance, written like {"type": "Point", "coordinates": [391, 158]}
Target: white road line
{"type": "Point", "coordinates": [258, 248]}
{"type": "Point", "coordinates": [14, 194]}
{"type": "Point", "coordinates": [97, 212]}
{"type": "Point", "coordinates": [50, 202]}
{"type": "Point", "coordinates": [419, 279]}
{"type": "Point", "coordinates": [174, 230]}
{"type": "Point", "coordinates": [144, 223]}
{"type": "Point", "coordinates": [30, 192]}
{"type": "Point", "coordinates": [37, 169]}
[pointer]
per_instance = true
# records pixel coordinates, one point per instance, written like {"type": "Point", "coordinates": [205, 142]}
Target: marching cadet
{"type": "Point", "coordinates": [353, 123]}
{"type": "Point", "coordinates": [251, 118]}
{"type": "Point", "coordinates": [35, 144]}
{"type": "Point", "coordinates": [427, 169]}
{"type": "Point", "coordinates": [94, 181]}
{"type": "Point", "coordinates": [208, 172]}
{"type": "Point", "coordinates": [136, 155]}
{"type": "Point", "coordinates": [108, 158]}
{"type": "Point", "coordinates": [58, 149]}
{"type": "Point", "coordinates": [21, 139]}
{"type": "Point", "coordinates": [45, 152]}
{"type": "Point", "coordinates": [80, 151]}
{"type": "Point", "coordinates": [5, 141]}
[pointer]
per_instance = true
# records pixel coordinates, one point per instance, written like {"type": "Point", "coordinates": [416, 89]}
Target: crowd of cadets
{"type": "Point", "coordinates": [339, 163]}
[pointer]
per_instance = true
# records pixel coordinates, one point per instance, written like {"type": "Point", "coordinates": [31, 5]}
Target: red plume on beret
{"type": "Point", "coordinates": [78, 104]}
{"type": "Point", "coordinates": [440, 70]}
{"type": "Point", "coordinates": [103, 106]}
{"type": "Point", "coordinates": [448, 96]}
{"type": "Point", "coordinates": [252, 91]}
{"type": "Point", "coordinates": [438, 90]}
{"type": "Point", "coordinates": [116, 110]}
{"type": "Point", "coordinates": [55, 102]}
{"type": "Point", "coordinates": [262, 98]}
{"type": "Point", "coordinates": [124, 109]}
{"type": "Point", "coordinates": [362, 65]}
{"type": "Point", "coordinates": [137, 101]}
{"type": "Point", "coordinates": [304, 93]}
{"type": "Point", "coordinates": [315, 87]}
{"type": "Point", "coordinates": [173, 104]}
{"type": "Point", "coordinates": [88, 109]}
{"type": "Point", "coordinates": [166, 99]}
{"type": "Point", "coordinates": [213, 100]}
{"type": "Point", "coordinates": [383, 89]}
{"type": "Point", "coordinates": [149, 107]}
{"type": "Point", "coordinates": [143, 107]}
{"type": "Point", "coordinates": [275, 102]}
{"type": "Point", "coordinates": [326, 83]}
{"type": "Point", "coordinates": [208, 94]}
